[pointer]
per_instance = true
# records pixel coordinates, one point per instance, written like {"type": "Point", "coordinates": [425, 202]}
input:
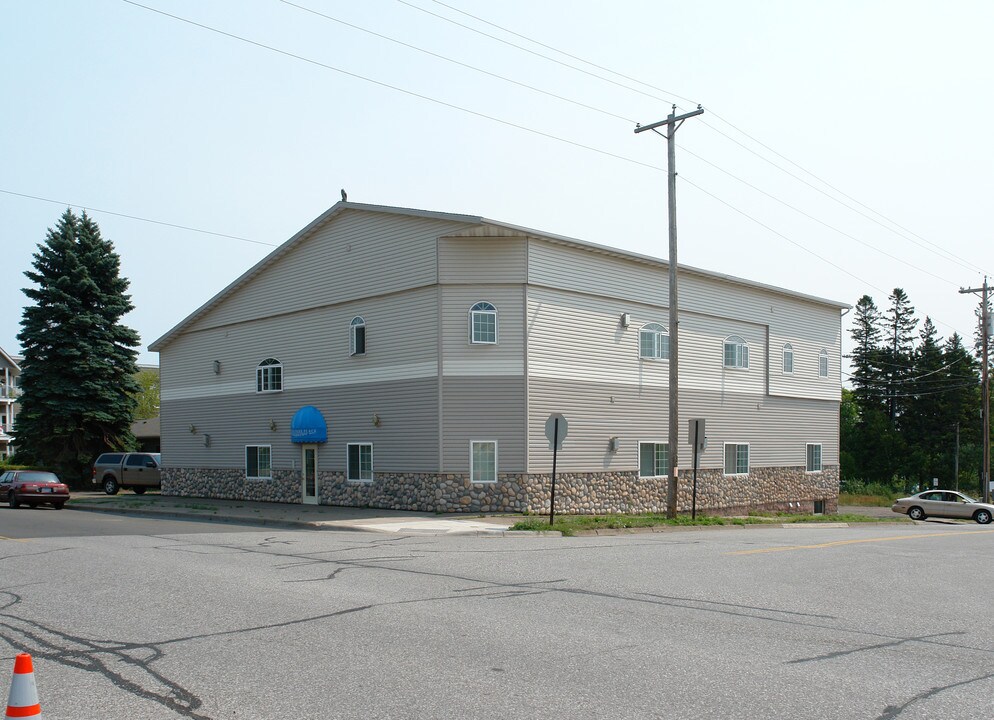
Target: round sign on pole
{"type": "Point", "coordinates": [555, 439]}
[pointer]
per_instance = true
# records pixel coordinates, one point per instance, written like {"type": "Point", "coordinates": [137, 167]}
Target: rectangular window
{"type": "Point", "coordinates": [259, 462]}
{"type": "Point", "coordinates": [485, 327]}
{"type": "Point", "coordinates": [360, 462]}
{"type": "Point", "coordinates": [736, 459]}
{"type": "Point", "coordinates": [823, 364]}
{"type": "Point", "coordinates": [814, 458]}
{"type": "Point", "coordinates": [358, 340]}
{"type": "Point", "coordinates": [788, 361]}
{"type": "Point", "coordinates": [483, 461]}
{"type": "Point", "coordinates": [654, 459]}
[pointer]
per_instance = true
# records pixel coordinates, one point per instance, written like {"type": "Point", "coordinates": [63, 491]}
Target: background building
{"type": "Point", "coordinates": [409, 359]}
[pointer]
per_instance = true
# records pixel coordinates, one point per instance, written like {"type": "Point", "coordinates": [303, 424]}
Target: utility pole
{"type": "Point", "coordinates": [985, 333]}
{"type": "Point", "coordinates": [672, 123]}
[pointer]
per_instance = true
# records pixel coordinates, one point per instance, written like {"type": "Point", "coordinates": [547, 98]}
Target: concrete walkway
{"type": "Point", "coordinates": [331, 517]}
{"type": "Point", "coordinates": [314, 517]}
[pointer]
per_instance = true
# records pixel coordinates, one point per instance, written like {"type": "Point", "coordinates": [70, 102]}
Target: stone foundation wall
{"type": "Point", "coordinates": [788, 489]}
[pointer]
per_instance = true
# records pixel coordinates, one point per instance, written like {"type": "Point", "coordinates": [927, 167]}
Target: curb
{"type": "Point", "coordinates": [227, 519]}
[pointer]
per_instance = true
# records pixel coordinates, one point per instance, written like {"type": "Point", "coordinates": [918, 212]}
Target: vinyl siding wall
{"type": "Point", "coordinates": [357, 254]}
{"type": "Point", "coordinates": [584, 364]}
{"type": "Point", "coordinates": [298, 310]}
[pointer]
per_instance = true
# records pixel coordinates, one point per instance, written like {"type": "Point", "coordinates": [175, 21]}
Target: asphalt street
{"type": "Point", "coordinates": [218, 622]}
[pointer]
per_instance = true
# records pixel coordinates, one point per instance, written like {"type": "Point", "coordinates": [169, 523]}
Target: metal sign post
{"type": "Point", "coordinates": [698, 439]}
{"type": "Point", "coordinates": [555, 430]}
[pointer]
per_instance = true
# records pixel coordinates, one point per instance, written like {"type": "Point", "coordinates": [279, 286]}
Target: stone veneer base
{"type": "Point", "coordinates": [788, 489]}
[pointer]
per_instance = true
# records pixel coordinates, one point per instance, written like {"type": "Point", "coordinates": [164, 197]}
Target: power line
{"type": "Point", "coordinates": [393, 87]}
{"type": "Point", "coordinates": [135, 217]}
{"type": "Point", "coordinates": [537, 54]}
{"type": "Point", "coordinates": [563, 52]}
{"type": "Point", "coordinates": [475, 113]}
{"type": "Point", "coordinates": [457, 62]}
{"type": "Point", "coordinates": [820, 222]}
{"type": "Point", "coordinates": [942, 252]}
{"type": "Point", "coordinates": [619, 117]}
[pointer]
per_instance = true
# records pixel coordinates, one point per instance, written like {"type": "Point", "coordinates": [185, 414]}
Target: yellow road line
{"type": "Point", "coordinates": [837, 543]}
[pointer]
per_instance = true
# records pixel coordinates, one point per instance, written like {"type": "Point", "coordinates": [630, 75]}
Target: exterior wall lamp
{"type": "Point", "coordinates": [376, 420]}
{"type": "Point", "coordinates": [217, 367]}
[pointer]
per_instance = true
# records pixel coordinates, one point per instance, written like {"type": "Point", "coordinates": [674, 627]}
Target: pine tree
{"type": "Point", "coordinates": [926, 431]}
{"type": "Point", "coordinates": [79, 368]}
{"type": "Point", "coordinates": [901, 322]}
{"type": "Point", "coordinates": [866, 335]}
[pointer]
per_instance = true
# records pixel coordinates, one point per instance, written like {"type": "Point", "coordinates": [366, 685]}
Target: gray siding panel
{"type": "Point", "coordinates": [484, 408]}
{"type": "Point", "coordinates": [406, 439]}
{"type": "Point", "coordinates": [777, 429]}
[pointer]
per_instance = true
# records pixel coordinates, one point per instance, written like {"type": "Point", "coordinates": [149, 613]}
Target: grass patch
{"type": "Point", "coordinates": [864, 500]}
{"type": "Point", "coordinates": [572, 524]}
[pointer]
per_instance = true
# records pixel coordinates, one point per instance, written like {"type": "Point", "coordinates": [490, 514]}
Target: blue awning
{"type": "Point", "coordinates": [308, 426]}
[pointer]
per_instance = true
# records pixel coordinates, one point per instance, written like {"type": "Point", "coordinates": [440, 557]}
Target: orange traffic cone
{"type": "Point", "coordinates": [23, 699]}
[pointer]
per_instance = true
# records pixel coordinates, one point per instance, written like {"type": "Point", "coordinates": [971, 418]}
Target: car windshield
{"type": "Point", "coordinates": [38, 477]}
{"type": "Point", "coordinates": [968, 498]}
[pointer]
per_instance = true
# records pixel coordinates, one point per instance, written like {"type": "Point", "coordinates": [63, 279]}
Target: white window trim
{"type": "Point", "coordinates": [744, 344]}
{"type": "Point", "coordinates": [748, 465]}
{"type": "Point", "coordinates": [639, 457]}
{"type": "Point", "coordinates": [662, 332]}
{"type": "Point", "coordinates": [372, 473]}
{"type": "Point", "coordinates": [352, 333]}
{"type": "Point", "coordinates": [787, 348]}
{"type": "Point", "coordinates": [259, 477]}
{"type": "Point", "coordinates": [472, 477]}
{"type": "Point", "coordinates": [823, 355]}
{"type": "Point", "coordinates": [260, 369]}
{"type": "Point", "coordinates": [472, 312]}
{"type": "Point", "coordinates": [821, 458]}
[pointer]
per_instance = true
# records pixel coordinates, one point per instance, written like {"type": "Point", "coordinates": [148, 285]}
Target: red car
{"type": "Point", "coordinates": [33, 487]}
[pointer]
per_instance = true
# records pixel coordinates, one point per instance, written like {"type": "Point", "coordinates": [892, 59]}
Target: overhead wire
{"type": "Point", "coordinates": [135, 217]}
{"type": "Point", "coordinates": [502, 121]}
{"type": "Point", "coordinates": [929, 245]}
{"type": "Point", "coordinates": [614, 115]}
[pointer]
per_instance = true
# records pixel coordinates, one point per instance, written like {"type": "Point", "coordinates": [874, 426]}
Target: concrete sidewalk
{"type": "Point", "coordinates": [314, 517]}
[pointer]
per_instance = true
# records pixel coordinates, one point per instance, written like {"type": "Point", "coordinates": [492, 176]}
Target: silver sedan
{"type": "Point", "coordinates": [944, 504]}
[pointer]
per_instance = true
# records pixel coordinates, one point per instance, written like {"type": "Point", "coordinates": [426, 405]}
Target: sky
{"type": "Point", "coordinates": [844, 148]}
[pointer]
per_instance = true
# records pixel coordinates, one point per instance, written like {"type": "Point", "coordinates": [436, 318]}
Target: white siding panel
{"type": "Point", "coordinates": [481, 260]}
{"type": "Point", "coordinates": [313, 345]}
{"type": "Point", "coordinates": [568, 268]}
{"type": "Point", "coordinates": [357, 254]}
{"type": "Point", "coordinates": [462, 358]}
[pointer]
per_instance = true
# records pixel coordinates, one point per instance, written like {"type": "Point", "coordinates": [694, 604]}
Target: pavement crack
{"type": "Point", "coordinates": [893, 711]}
{"type": "Point", "coordinates": [879, 646]}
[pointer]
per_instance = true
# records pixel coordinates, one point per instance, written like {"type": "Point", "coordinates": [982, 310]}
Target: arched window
{"type": "Point", "coordinates": [357, 336]}
{"type": "Point", "coordinates": [269, 376]}
{"type": "Point", "coordinates": [736, 352]}
{"type": "Point", "coordinates": [788, 359]}
{"type": "Point", "coordinates": [654, 342]}
{"type": "Point", "coordinates": [483, 324]}
{"type": "Point", "coordinates": [823, 363]}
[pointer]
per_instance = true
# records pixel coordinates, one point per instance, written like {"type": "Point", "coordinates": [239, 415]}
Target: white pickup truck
{"type": "Point", "coordinates": [135, 471]}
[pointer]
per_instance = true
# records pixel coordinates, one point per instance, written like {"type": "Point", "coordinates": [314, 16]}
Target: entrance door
{"type": "Point", "coordinates": [309, 474]}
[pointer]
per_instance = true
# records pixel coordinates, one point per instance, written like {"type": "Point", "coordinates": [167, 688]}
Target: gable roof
{"type": "Point", "coordinates": [10, 359]}
{"type": "Point", "coordinates": [471, 220]}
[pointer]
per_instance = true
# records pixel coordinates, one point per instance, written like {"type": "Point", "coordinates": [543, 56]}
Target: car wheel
{"type": "Point", "coordinates": [12, 500]}
{"type": "Point", "coordinates": [58, 505]}
{"type": "Point", "coordinates": [139, 490]}
{"type": "Point", "coordinates": [110, 486]}
{"type": "Point", "coordinates": [983, 517]}
{"type": "Point", "coordinates": [916, 513]}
